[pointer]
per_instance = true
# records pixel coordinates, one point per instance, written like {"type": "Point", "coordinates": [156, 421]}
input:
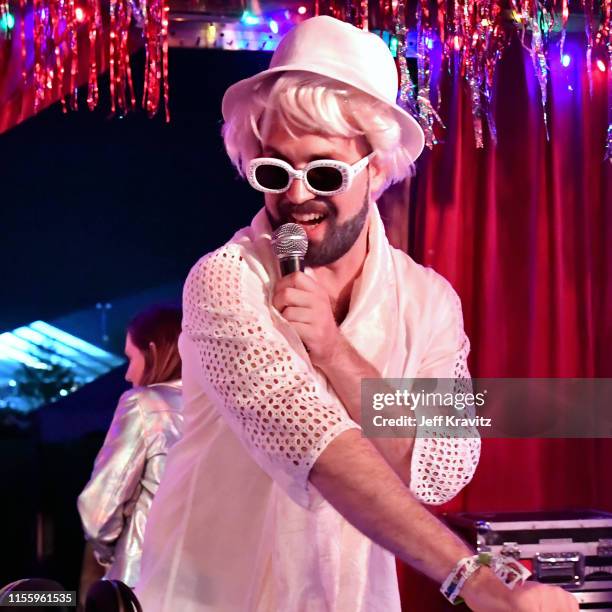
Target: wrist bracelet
{"type": "Point", "coordinates": [451, 587]}
{"type": "Point", "coordinates": [510, 571]}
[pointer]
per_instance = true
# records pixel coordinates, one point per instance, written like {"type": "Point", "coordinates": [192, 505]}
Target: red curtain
{"type": "Point", "coordinates": [523, 232]}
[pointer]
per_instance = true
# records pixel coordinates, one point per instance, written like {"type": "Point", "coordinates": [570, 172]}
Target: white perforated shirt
{"type": "Point", "coordinates": [236, 525]}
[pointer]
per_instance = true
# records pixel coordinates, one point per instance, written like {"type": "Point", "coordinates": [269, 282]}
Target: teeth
{"type": "Point", "coordinates": [308, 217]}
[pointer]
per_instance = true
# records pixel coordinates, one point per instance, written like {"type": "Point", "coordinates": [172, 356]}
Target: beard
{"type": "Point", "coordinates": [338, 238]}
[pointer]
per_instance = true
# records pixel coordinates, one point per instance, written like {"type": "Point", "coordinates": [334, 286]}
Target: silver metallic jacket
{"type": "Point", "coordinates": [115, 503]}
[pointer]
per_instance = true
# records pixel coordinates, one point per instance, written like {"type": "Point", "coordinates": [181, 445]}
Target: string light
{"type": "Point", "coordinates": [211, 34]}
{"type": "Point", "coordinates": [393, 46]}
{"type": "Point", "coordinates": [302, 10]}
{"type": "Point", "coordinates": [601, 65]}
{"type": "Point", "coordinates": [7, 22]}
{"type": "Point", "coordinates": [566, 60]}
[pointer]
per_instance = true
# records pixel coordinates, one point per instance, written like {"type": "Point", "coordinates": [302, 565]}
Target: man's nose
{"type": "Point", "coordinates": [297, 192]}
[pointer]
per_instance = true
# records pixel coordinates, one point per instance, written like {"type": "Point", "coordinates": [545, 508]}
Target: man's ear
{"type": "Point", "coordinates": [377, 178]}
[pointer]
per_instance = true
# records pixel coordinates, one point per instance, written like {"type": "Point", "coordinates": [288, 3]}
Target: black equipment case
{"type": "Point", "coordinates": [572, 548]}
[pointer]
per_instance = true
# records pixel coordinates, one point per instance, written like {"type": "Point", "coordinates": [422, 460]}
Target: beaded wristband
{"type": "Point", "coordinates": [507, 569]}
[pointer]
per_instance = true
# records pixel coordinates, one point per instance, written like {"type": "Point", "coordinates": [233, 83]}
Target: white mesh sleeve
{"type": "Point", "coordinates": [264, 390]}
{"type": "Point", "coordinates": [442, 464]}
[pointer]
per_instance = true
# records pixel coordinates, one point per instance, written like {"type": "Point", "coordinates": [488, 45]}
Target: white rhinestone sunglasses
{"type": "Point", "coordinates": [325, 177]}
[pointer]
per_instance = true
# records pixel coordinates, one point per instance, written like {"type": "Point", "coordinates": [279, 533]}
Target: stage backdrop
{"type": "Point", "coordinates": [523, 232]}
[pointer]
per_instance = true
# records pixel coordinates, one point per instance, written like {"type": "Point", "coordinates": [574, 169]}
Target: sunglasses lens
{"type": "Point", "coordinates": [271, 177]}
{"type": "Point", "coordinates": [325, 178]}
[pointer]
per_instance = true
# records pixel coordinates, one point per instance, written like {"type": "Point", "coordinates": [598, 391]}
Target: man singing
{"type": "Point", "coordinates": [273, 501]}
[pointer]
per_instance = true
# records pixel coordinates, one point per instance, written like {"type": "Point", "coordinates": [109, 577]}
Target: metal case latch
{"type": "Point", "coordinates": [560, 568]}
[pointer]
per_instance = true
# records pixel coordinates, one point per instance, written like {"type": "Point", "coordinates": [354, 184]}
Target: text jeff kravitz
{"type": "Point", "coordinates": [435, 421]}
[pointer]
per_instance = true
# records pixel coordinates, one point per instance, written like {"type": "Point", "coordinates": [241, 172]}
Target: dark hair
{"type": "Point", "coordinates": [161, 325]}
{"type": "Point", "coordinates": [111, 596]}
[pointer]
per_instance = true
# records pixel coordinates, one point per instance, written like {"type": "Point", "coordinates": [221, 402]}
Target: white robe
{"type": "Point", "coordinates": [236, 526]}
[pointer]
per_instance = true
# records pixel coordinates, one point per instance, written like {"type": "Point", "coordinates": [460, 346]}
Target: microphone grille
{"type": "Point", "coordinates": [290, 240]}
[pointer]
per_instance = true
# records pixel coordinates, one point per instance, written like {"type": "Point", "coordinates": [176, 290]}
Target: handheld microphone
{"type": "Point", "coordinates": [290, 244]}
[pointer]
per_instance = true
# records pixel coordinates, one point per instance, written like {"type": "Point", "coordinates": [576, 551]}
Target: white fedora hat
{"type": "Point", "coordinates": [335, 49]}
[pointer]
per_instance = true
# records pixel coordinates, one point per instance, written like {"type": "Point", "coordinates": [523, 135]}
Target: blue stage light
{"type": "Point", "coordinates": [249, 18]}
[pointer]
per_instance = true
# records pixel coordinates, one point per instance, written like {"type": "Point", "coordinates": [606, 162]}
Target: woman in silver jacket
{"type": "Point", "coordinates": [147, 422]}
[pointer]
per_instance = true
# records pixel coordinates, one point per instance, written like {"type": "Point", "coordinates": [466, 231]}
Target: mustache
{"type": "Point", "coordinates": [287, 209]}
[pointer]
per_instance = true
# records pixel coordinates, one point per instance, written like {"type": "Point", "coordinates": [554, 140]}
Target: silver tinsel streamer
{"type": "Point", "coordinates": [475, 85]}
{"type": "Point", "coordinates": [139, 12]}
{"type": "Point", "coordinates": [541, 68]}
{"type": "Point", "coordinates": [490, 59]}
{"type": "Point", "coordinates": [427, 114]}
{"type": "Point", "coordinates": [406, 97]}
